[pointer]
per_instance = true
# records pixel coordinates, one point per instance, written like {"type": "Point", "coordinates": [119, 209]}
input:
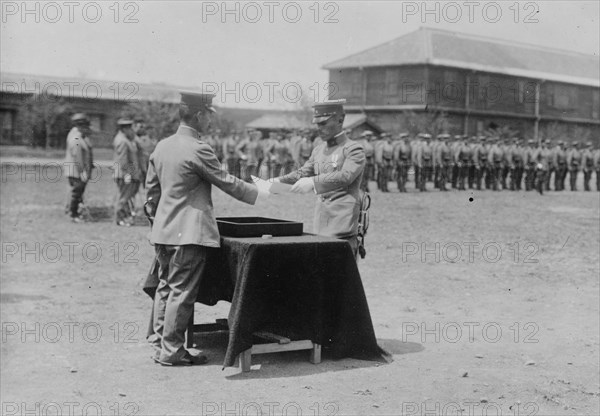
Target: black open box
{"type": "Point", "coordinates": [257, 227]}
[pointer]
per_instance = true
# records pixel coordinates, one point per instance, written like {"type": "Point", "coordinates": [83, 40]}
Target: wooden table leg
{"type": "Point", "coordinates": [315, 354]}
{"type": "Point", "coordinates": [245, 359]}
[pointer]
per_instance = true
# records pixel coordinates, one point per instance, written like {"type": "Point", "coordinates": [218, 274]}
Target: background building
{"type": "Point", "coordinates": [479, 83]}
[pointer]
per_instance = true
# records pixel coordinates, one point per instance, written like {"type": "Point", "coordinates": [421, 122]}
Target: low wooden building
{"type": "Point", "coordinates": [478, 82]}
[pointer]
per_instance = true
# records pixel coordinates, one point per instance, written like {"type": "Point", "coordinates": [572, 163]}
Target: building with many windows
{"type": "Point", "coordinates": [478, 83]}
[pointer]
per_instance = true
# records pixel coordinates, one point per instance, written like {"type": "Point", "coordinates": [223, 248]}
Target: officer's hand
{"type": "Point", "coordinates": [83, 176]}
{"type": "Point", "coordinates": [303, 186]}
{"type": "Point", "coordinates": [127, 178]}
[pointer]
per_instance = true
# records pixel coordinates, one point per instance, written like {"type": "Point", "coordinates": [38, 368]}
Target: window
{"type": "Point", "coordinates": [6, 126]}
{"type": "Point", "coordinates": [596, 104]}
{"type": "Point", "coordinates": [392, 76]}
{"type": "Point", "coordinates": [450, 77]}
{"type": "Point", "coordinates": [564, 97]}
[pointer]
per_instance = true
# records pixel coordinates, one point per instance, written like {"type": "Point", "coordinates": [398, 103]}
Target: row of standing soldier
{"type": "Point", "coordinates": [462, 162]}
{"type": "Point", "coordinates": [477, 162]}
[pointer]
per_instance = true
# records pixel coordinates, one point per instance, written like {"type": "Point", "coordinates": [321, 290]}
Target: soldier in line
{"type": "Point", "coordinates": [443, 156]}
{"type": "Point", "coordinates": [402, 157]}
{"type": "Point", "coordinates": [435, 142]}
{"type": "Point", "coordinates": [480, 160]}
{"type": "Point", "coordinates": [559, 162]}
{"type": "Point", "coordinates": [541, 158]}
{"type": "Point", "coordinates": [528, 152]}
{"type": "Point", "coordinates": [574, 164]}
{"type": "Point", "coordinates": [424, 161]}
{"type": "Point", "coordinates": [551, 167]}
{"type": "Point", "coordinates": [387, 165]}
{"type": "Point", "coordinates": [496, 158]}
{"type": "Point", "coordinates": [516, 165]}
{"type": "Point", "coordinates": [230, 153]}
{"type": "Point", "coordinates": [282, 156]}
{"type": "Point", "coordinates": [249, 153]}
{"type": "Point", "coordinates": [504, 145]}
{"type": "Point", "coordinates": [378, 159]}
{"type": "Point", "coordinates": [79, 162]}
{"type": "Point", "coordinates": [127, 172]}
{"type": "Point", "coordinates": [587, 163]}
{"type": "Point", "coordinates": [268, 157]}
{"type": "Point", "coordinates": [464, 160]}
{"type": "Point", "coordinates": [365, 141]}
{"type": "Point", "coordinates": [455, 147]}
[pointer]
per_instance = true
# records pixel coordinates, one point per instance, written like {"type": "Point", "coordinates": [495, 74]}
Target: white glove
{"type": "Point", "coordinates": [263, 190]}
{"type": "Point", "coordinates": [127, 178]}
{"type": "Point", "coordinates": [303, 186]}
{"type": "Point", "coordinates": [83, 176]}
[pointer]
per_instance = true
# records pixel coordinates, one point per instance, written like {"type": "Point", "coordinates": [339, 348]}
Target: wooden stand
{"type": "Point", "coordinates": [279, 344]}
{"type": "Point", "coordinates": [282, 344]}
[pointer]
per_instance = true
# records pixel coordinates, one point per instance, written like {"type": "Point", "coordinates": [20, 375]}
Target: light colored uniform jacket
{"type": "Point", "coordinates": [181, 173]}
{"type": "Point", "coordinates": [78, 156]}
{"type": "Point", "coordinates": [336, 167]}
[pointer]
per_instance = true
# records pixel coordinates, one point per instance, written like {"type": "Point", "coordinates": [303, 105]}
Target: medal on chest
{"type": "Point", "coordinates": [334, 160]}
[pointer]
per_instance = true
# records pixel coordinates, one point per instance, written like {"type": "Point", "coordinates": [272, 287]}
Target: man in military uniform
{"type": "Point", "coordinates": [574, 164]}
{"type": "Point", "coordinates": [559, 161]}
{"type": "Point", "coordinates": [334, 172]}
{"type": "Point", "coordinates": [230, 154]}
{"type": "Point", "coordinates": [454, 147]}
{"type": "Point", "coordinates": [515, 155]}
{"type": "Point", "coordinates": [182, 171]}
{"type": "Point", "coordinates": [78, 162]}
{"type": "Point", "coordinates": [145, 145]}
{"type": "Point", "coordinates": [424, 161]}
{"type": "Point", "coordinates": [587, 164]}
{"type": "Point", "coordinates": [402, 157]}
{"type": "Point", "coordinates": [541, 158]}
{"type": "Point", "coordinates": [306, 148]}
{"type": "Point", "coordinates": [250, 154]}
{"type": "Point", "coordinates": [443, 159]}
{"type": "Point", "coordinates": [369, 173]}
{"type": "Point", "coordinates": [528, 153]}
{"type": "Point", "coordinates": [436, 167]}
{"type": "Point", "coordinates": [480, 160]}
{"type": "Point", "coordinates": [496, 158]}
{"type": "Point", "coordinates": [464, 161]}
{"type": "Point", "coordinates": [283, 161]}
{"type": "Point", "coordinates": [127, 171]}
{"type": "Point", "coordinates": [551, 167]}
{"type": "Point", "coordinates": [387, 161]}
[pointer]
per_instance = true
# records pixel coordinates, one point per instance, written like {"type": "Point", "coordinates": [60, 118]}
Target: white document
{"type": "Point", "coordinates": [271, 186]}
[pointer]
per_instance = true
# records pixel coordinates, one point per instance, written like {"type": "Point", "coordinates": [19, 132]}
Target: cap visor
{"type": "Point", "coordinates": [320, 119]}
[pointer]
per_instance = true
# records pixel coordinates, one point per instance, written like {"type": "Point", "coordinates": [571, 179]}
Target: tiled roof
{"type": "Point", "coordinates": [444, 48]}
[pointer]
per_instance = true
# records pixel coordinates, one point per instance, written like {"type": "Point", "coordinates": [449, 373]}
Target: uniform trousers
{"type": "Point", "coordinates": [77, 189]}
{"type": "Point", "coordinates": [180, 273]}
{"type": "Point", "coordinates": [126, 191]}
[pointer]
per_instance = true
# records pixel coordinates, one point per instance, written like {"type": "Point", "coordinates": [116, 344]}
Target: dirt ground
{"type": "Point", "coordinates": [489, 306]}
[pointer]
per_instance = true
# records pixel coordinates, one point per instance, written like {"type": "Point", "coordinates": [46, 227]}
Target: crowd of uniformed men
{"type": "Point", "coordinates": [457, 162]}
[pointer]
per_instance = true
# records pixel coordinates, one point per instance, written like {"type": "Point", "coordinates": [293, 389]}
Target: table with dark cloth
{"type": "Point", "coordinates": [304, 287]}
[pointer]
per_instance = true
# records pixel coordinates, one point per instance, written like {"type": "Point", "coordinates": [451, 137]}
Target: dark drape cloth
{"type": "Point", "coordinates": [305, 287]}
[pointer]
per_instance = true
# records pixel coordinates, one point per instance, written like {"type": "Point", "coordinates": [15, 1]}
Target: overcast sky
{"type": "Point", "coordinates": [190, 43]}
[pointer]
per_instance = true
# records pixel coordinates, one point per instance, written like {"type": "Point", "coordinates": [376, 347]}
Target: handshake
{"type": "Point", "coordinates": [273, 186]}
